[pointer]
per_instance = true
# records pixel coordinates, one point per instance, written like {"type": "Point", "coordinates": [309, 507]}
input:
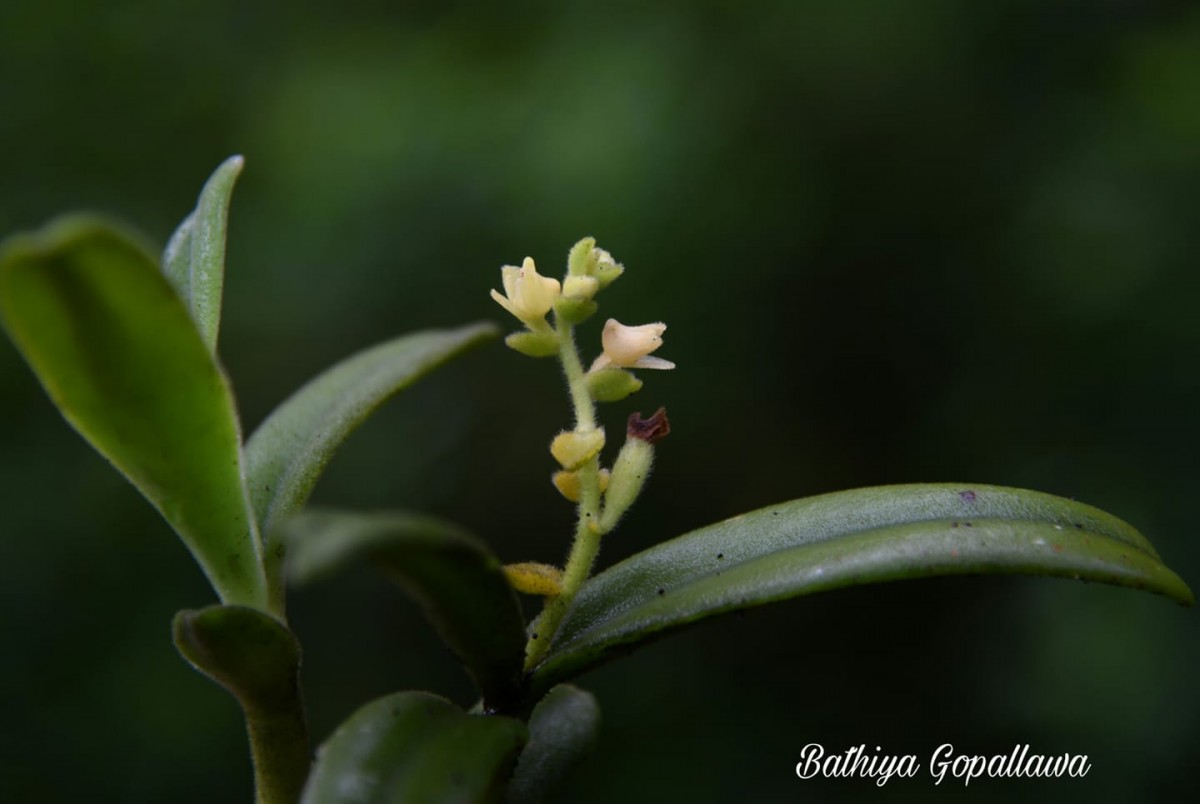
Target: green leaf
{"type": "Point", "coordinates": [194, 260]}
{"type": "Point", "coordinates": [257, 659]}
{"type": "Point", "coordinates": [562, 731]}
{"type": "Point", "coordinates": [452, 575]}
{"type": "Point", "coordinates": [845, 539]}
{"type": "Point", "coordinates": [288, 451]}
{"type": "Point", "coordinates": [118, 354]}
{"type": "Point", "coordinates": [416, 748]}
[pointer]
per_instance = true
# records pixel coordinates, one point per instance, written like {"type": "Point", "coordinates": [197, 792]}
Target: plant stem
{"type": "Point", "coordinates": [587, 536]}
{"type": "Point", "coordinates": [581, 398]}
{"type": "Point", "coordinates": [257, 659]}
{"type": "Point", "coordinates": [279, 750]}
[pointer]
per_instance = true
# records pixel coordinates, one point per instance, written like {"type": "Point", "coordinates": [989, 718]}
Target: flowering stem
{"type": "Point", "coordinates": [587, 535]}
{"type": "Point", "coordinates": [581, 398]}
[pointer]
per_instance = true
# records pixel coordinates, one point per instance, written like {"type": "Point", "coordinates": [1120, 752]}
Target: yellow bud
{"type": "Point", "coordinates": [573, 448]}
{"type": "Point", "coordinates": [568, 483]}
{"type": "Point", "coordinates": [531, 578]}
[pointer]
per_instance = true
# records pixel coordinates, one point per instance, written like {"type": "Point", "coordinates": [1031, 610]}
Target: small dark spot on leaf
{"type": "Point", "coordinates": [533, 635]}
{"type": "Point", "coordinates": [954, 524]}
{"type": "Point", "coordinates": [1078, 526]}
{"type": "Point", "coordinates": [967, 496]}
{"type": "Point", "coordinates": [967, 525]}
{"type": "Point", "coordinates": [720, 556]}
{"type": "Point", "coordinates": [774, 513]}
{"type": "Point", "coordinates": [662, 591]}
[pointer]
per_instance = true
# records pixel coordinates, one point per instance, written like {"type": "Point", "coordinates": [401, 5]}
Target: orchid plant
{"type": "Point", "coordinates": [125, 345]}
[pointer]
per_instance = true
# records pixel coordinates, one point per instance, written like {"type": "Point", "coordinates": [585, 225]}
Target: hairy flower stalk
{"type": "Point", "coordinates": [600, 502]}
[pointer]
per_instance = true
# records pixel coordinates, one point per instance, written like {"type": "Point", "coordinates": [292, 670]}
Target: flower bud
{"type": "Point", "coordinates": [572, 448]}
{"type": "Point", "coordinates": [605, 269]}
{"type": "Point", "coordinates": [569, 486]}
{"type": "Point", "coordinates": [581, 259]}
{"type": "Point", "coordinates": [531, 578]}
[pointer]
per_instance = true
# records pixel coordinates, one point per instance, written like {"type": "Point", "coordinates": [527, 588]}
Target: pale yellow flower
{"type": "Point", "coordinates": [630, 347]}
{"type": "Point", "coordinates": [527, 294]}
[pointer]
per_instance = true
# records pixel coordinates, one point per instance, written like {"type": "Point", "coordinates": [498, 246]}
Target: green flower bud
{"type": "Point", "coordinates": [580, 260]}
{"type": "Point", "coordinates": [587, 260]}
{"type": "Point", "coordinates": [611, 384]}
{"type": "Point", "coordinates": [606, 269]}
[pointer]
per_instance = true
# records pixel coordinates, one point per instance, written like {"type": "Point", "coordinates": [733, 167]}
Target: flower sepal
{"type": "Point", "coordinates": [611, 384]}
{"type": "Point", "coordinates": [574, 310]}
{"type": "Point", "coordinates": [534, 343]}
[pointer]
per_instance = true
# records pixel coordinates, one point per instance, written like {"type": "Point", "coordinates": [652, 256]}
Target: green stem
{"type": "Point", "coordinates": [257, 659]}
{"type": "Point", "coordinates": [587, 536]}
{"type": "Point", "coordinates": [581, 398]}
{"type": "Point", "coordinates": [279, 749]}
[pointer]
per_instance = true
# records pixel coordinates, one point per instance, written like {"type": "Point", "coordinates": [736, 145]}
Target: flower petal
{"type": "Point", "coordinates": [503, 302]}
{"type": "Point", "coordinates": [651, 362]}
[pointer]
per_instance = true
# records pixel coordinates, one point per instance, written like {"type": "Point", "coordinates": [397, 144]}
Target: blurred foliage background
{"type": "Point", "coordinates": [894, 242]}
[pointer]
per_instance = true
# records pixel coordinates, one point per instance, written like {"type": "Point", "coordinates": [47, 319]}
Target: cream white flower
{"type": "Point", "coordinates": [527, 294]}
{"type": "Point", "coordinates": [630, 347]}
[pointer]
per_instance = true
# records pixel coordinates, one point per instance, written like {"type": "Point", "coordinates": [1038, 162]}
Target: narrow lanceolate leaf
{"type": "Point", "coordinates": [118, 354]}
{"type": "Point", "coordinates": [456, 580]}
{"type": "Point", "coordinates": [288, 452]}
{"type": "Point", "coordinates": [562, 730]}
{"type": "Point", "coordinates": [844, 539]}
{"type": "Point", "coordinates": [194, 260]}
{"type": "Point", "coordinates": [257, 659]}
{"type": "Point", "coordinates": [418, 748]}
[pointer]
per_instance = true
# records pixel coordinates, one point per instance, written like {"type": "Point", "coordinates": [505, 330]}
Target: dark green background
{"type": "Point", "coordinates": [894, 242]}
